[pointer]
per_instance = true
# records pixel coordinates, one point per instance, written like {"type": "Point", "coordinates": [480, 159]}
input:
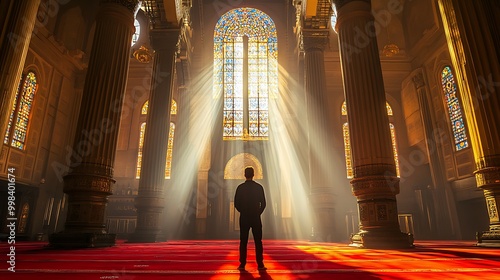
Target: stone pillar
{"type": "Point", "coordinates": [16, 27]}
{"type": "Point", "coordinates": [321, 195]}
{"type": "Point", "coordinates": [375, 184]}
{"type": "Point", "coordinates": [442, 222]}
{"type": "Point", "coordinates": [150, 201]}
{"type": "Point", "coordinates": [90, 178]}
{"type": "Point", "coordinates": [475, 57]}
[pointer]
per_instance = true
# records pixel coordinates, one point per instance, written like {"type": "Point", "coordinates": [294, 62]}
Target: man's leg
{"type": "Point", "coordinates": [259, 250]}
{"type": "Point", "coordinates": [244, 229]}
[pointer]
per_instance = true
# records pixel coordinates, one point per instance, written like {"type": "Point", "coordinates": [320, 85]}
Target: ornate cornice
{"type": "Point", "coordinates": [131, 5]}
{"type": "Point", "coordinates": [340, 3]}
{"type": "Point", "coordinates": [418, 80]}
{"type": "Point", "coordinates": [315, 39]}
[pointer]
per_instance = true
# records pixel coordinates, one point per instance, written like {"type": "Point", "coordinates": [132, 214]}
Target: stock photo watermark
{"type": "Point", "coordinates": [11, 219]}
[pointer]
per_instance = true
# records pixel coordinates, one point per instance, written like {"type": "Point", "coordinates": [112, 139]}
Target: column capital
{"type": "Point", "coordinates": [315, 39]}
{"type": "Point", "coordinates": [131, 5]}
{"type": "Point", "coordinates": [165, 39]}
{"type": "Point", "coordinates": [418, 80]}
{"type": "Point", "coordinates": [340, 3]}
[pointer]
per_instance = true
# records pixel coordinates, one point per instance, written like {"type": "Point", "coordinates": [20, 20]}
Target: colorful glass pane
{"type": "Point", "coordinates": [9, 125]}
{"type": "Point", "coordinates": [144, 109]}
{"type": "Point", "coordinates": [454, 110]}
{"type": "Point", "coordinates": [173, 109]}
{"type": "Point", "coordinates": [394, 148]}
{"type": "Point", "coordinates": [139, 150]}
{"type": "Point", "coordinates": [347, 148]}
{"type": "Point", "coordinates": [260, 72]}
{"type": "Point", "coordinates": [170, 149]}
{"type": "Point", "coordinates": [387, 106]}
{"type": "Point", "coordinates": [137, 32]}
{"type": "Point", "coordinates": [389, 109]}
{"type": "Point", "coordinates": [23, 112]}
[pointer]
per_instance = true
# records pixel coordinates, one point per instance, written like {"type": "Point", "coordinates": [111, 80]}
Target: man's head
{"type": "Point", "coordinates": [249, 172]}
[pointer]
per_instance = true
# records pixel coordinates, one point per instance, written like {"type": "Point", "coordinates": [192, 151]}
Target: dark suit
{"type": "Point", "coordinates": [250, 201]}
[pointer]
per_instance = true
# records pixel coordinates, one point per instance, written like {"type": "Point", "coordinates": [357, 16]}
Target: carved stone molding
{"type": "Point", "coordinates": [375, 170]}
{"type": "Point", "coordinates": [314, 39]}
{"type": "Point", "coordinates": [131, 5]}
{"type": "Point", "coordinates": [418, 80]}
{"type": "Point", "coordinates": [488, 177]}
{"type": "Point", "coordinates": [380, 186]}
{"type": "Point", "coordinates": [340, 3]}
{"type": "Point", "coordinates": [88, 183]}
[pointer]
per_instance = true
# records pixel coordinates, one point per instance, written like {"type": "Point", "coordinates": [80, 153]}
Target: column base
{"type": "Point", "coordinates": [382, 240]}
{"type": "Point", "coordinates": [488, 238]}
{"type": "Point", "coordinates": [81, 240]}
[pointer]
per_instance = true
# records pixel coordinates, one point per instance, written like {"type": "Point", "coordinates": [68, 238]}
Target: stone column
{"type": "Point", "coordinates": [150, 201]}
{"type": "Point", "coordinates": [17, 28]}
{"type": "Point", "coordinates": [90, 178]}
{"type": "Point", "coordinates": [375, 183]}
{"type": "Point", "coordinates": [475, 57]}
{"type": "Point", "coordinates": [442, 222]}
{"type": "Point", "coordinates": [321, 189]}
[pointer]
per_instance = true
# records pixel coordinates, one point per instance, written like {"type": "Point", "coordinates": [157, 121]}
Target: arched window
{"type": "Point", "coordinates": [347, 142]}
{"type": "Point", "coordinates": [137, 32]}
{"type": "Point", "coordinates": [245, 71]}
{"type": "Point", "coordinates": [170, 143]}
{"type": "Point", "coordinates": [170, 149]}
{"type": "Point", "coordinates": [17, 128]}
{"type": "Point", "coordinates": [23, 219]}
{"type": "Point", "coordinates": [139, 150]}
{"type": "Point", "coordinates": [173, 109]}
{"type": "Point", "coordinates": [144, 108]}
{"type": "Point", "coordinates": [454, 110]}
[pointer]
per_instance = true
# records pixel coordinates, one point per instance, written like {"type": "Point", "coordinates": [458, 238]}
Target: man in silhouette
{"type": "Point", "coordinates": [250, 201]}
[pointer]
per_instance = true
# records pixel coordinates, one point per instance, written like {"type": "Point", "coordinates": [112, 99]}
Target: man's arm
{"type": "Point", "coordinates": [237, 199]}
{"type": "Point", "coordinates": [262, 200]}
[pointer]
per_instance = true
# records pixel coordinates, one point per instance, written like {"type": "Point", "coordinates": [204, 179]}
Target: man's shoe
{"type": "Point", "coordinates": [241, 267]}
{"type": "Point", "coordinates": [262, 267]}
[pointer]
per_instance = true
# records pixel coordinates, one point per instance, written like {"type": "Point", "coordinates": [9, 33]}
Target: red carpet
{"type": "Point", "coordinates": [212, 259]}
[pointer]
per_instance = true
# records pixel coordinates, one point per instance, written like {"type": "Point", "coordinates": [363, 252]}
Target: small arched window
{"type": "Point", "coordinates": [170, 143]}
{"type": "Point", "coordinates": [454, 109]}
{"type": "Point", "coordinates": [17, 128]}
{"type": "Point", "coordinates": [347, 141]}
{"type": "Point", "coordinates": [137, 33]}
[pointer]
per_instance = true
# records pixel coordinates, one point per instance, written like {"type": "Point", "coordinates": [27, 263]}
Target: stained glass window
{"type": "Point", "coordinates": [170, 149]}
{"type": "Point", "coordinates": [394, 147]}
{"type": "Point", "coordinates": [144, 109]}
{"type": "Point", "coordinates": [344, 109]}
{"type": "Point", "coordinates": [17, 127]}
{"type": "Point", "coordinates": [139, 151]}
{"type": "Point", "coordinates": [454, 110]}
{"type": "Point", "coordinates": [137, 32]}
{"type": "Point", "coordinates": [333, 19]}
{"type": "Point", "coordinates": [347, 143]}
{"type": "Point", "coordinates": [170, 143]}
{"type": "Point", "coordinates": [23, 219]}
{"type": "Point", "coordinates": [245, 71]}
{"type": "Point", "coordinates": [173, 109]}
{"type": "Point", "coordinates": [347, 147]}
